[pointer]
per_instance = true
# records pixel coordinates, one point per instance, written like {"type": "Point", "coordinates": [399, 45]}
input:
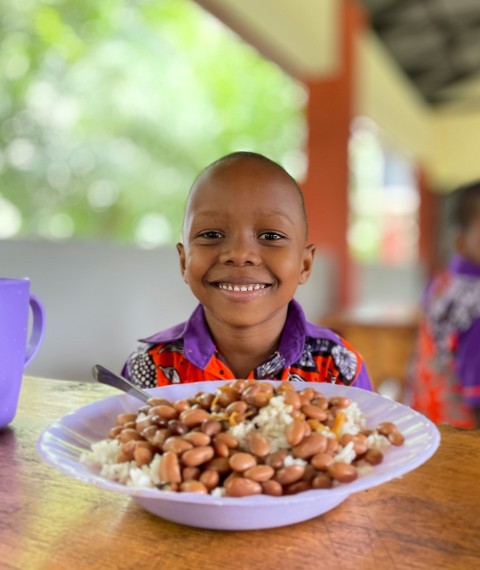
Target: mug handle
{"type": "Point", "coordinates": [38, 329]}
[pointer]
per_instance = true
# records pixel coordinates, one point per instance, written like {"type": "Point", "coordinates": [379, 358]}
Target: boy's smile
{"type": "Point", "coordinates": [244, 250]}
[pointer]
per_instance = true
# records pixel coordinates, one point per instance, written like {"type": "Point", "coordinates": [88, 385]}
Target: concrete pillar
{"type": "Point", "coordinates": [329, 114]}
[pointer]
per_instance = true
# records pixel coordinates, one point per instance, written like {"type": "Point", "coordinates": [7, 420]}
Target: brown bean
{"type": "Point", "coordinates": [360, 444]}
{"type": "Point", "coordinates": [228, 439]}
{"type": "Point", "coordinates": [241, 487]}
{"type": "Point", "coordinates": [226, 395]}
{"type": "Point", "coordinates": [276, 459]}
{"type": "Point", "coordinates": [152, 402]}
{"type": "Point", "coordinates": [259, 473]}
{"type": "Point", "coordinates": [272, 487]}
{"type": "Point", "coordinates": [373, 456]}
{"type": "Point", "coordinates": [297, 415]}
{"type": "Point", "coordinates": [292, 399]}
{"type": "Point", "coordinates": [122, 419]}
{"type": "Point", "coordinates": [161, 435]}
{"type": "Point", "coordinates": [211, 427]}
{"type": "Point", "coordinates": [306, 396]}
{"type": "Point", "coordinates": [142, 455]}
{"type": "Point", "coordinates": [164, 411]}
{"type": "Point", "coordinates": [261, 399]}
{"type": "Point", "coordinates": [219, 464]}
{"type": "Point", "coordinates": [194, 417]}
{"type": "Point", "coordinates": [240, 385]}
{"type": "Point", "coordinates": [158, 421]}
{"type": "Point", "coordinates": [221, 448]}
{"type": "Point", "coordinates": [181, 405]}
{"type": "Point", "coordinates": [176, 427]}
{"type": "Point", "coordinates": [309, 474]}
{"type": "Point", "coordinates": [290, 474]}
{"type": "Point", "coordinates": [258, 444]}
{"type": "Point", "coordinates": [238, 407]}
{"type": "Point", "coordinates": [193, 486]}
{"type": "Point", "coordinates": [241, 461]}
{"type": "Point", "coordinates": [297, 487]}
{"type": "Point", "coordinates": [169, 469]}
{"type": "Point", "coordinates": [205, 400]}
{"type": "Point", "coordinates": [294, 432]}
{"type": "Point", "coordinates": [343, 472]}
{"type": "Point", "coordinates": [143, 422]}
{"type": "Point", "coordinates": [332, 445]}
{"type": "Point", "coordinates": [210, 479]}
{"type": "Point", "coordinates": [112, 434]}
{"type": "Point", "coordinates": [321, 461]}
{"type": "Point", "coordinates": [149, 432]}
{"type": "Point", "coordinates": [177, 444]}
{"type": "Point", "coordinates": [320, 402]}
{"type": "Point", "coordinates": [310, 445]}
{"type": "Point", "coordinates": [307, 428]}
{"type": "Point", "coordinates": [314, 412]}
{"type": "Point", "coordinates": [129, 434]}
{"type": "Point", "coordinates": [189, 473]}
{"type": "Point", "coordinates": [197, 438]}
{"type": "Point", "coordinates": [396, 438]}
{"type": "Point", "coordinates": [340, 401]}
{"type": "Point", "coordinates": [322, 481]}
{"type": "Point", "coordinates": [126, 451]}
{"type": "Point", "coordinates": [197, 455]}
{"type": "Point", "coordinates": [386, 428]}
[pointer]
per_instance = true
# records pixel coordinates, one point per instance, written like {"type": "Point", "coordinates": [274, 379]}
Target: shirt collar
{"type": "Point", "coordinates": [460, 265]}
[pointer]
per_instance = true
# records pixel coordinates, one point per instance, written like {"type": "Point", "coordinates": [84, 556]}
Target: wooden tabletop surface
{"type": "Point", "coordinates": [430, 518]}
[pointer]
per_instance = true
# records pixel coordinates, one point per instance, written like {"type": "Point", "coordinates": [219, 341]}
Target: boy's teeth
{"type": "Point", "coordinates": [230, 287]}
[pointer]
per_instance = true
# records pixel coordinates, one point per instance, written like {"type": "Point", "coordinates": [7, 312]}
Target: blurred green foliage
{"type": "Point", "coordinates": [109, 109]}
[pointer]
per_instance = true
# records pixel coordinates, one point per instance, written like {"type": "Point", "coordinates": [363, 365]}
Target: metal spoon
{"type": "Point", "coordinates": [105, 376]}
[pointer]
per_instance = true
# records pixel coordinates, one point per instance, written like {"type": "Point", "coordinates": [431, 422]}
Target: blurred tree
{"type": "Point", "coordinates": [109, 109]}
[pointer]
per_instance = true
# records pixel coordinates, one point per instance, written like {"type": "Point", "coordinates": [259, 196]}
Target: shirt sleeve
{"type": "Point", "coordinates": [468, 364]}
{"type": "Point", "coordinates": [363, 379]}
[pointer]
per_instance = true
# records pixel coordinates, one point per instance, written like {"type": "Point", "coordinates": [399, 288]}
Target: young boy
{"type": "Point", "coordinates": [244, 253]}
{"type": "Point", "coordinates": [446, 364]}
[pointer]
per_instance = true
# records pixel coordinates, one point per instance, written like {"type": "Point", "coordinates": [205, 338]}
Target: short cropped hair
{"type": "Point", "coordinates": [249, 155]}
{"type": "Point", "coordinates": [465, 205]}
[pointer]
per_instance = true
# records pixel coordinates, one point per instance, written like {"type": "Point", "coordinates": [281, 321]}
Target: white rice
{"type": "Point", "coordinates": [345, 454]}
{"type": "Point", "coordinates": [271, 421]}
{"type": "Point", "coordinates": [355, 420]}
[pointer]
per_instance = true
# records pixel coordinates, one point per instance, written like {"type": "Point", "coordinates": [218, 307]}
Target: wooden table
{"type": "Point", "coordinates": [383, 335]}
{"type": "Point", "coordinates": [430, 518]}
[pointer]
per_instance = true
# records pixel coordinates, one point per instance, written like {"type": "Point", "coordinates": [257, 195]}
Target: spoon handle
{"type": "Point", "coordinates": [105, 376]}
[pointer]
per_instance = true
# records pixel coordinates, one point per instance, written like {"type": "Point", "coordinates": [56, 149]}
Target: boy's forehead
{"type": "Point", "coordinates": [241, 178]}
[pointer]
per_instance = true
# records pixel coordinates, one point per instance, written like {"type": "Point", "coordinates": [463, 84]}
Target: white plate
{"type": "Point", "coordinates": [62, 443]}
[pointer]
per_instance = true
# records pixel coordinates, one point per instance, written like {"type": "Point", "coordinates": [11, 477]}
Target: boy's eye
{"type": "Point", "coordinates": [211, 235]}
{"type": "Point", "coordinates": [270, 236]}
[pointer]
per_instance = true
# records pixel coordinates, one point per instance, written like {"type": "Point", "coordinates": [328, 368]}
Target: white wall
{"type": "Point", "coordinates": [100, 298]}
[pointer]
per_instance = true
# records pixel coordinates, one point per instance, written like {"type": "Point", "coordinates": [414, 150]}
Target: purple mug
{"type": "Point", "coordinates": [16, 350]}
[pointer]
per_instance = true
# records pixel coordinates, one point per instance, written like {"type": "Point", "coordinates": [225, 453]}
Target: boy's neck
{"type": "Point", "coordinates": [244, 349]}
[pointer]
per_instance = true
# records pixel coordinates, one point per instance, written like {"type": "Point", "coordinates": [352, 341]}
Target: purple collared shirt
{"type": "Point", "coordinates": [298, 335]}
{"type": "Point", "coordinates": [468, 350]}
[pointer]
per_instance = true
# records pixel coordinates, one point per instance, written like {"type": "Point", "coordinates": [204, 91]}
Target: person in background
{"type": "Point", "coordinates": [445, 382]}
{"type": "Point", "coordinates": [244, 253]}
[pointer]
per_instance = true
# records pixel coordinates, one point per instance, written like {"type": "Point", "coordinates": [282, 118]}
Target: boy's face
{"type": "Point", "coordinates": [244, 250]}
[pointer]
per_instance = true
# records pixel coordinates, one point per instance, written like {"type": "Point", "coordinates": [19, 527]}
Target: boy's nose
{"type": "Point", "coordinates": [240, 251]}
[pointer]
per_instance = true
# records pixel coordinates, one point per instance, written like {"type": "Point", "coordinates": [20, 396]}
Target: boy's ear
{"type": "Point", "coordinates": [307, 263]}
{"type": "Point", "coordinates": [181, 256]}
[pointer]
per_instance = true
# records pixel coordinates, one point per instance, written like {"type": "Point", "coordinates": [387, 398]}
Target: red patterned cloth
{"type": "Point", "coordinates": [445, 380]}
